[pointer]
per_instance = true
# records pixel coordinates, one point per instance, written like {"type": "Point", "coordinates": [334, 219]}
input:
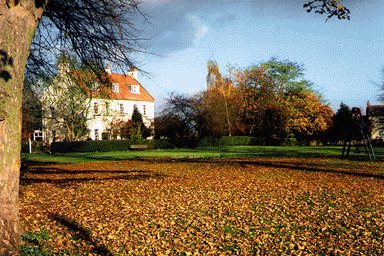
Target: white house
{"type": "Point", "coordinates": [102, 105]}
{"type": "Point", "coordinates": [375, 114]}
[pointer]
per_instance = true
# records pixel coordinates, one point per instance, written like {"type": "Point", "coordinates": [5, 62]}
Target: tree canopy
{"type": "Point", "coordinates": [271, 101]}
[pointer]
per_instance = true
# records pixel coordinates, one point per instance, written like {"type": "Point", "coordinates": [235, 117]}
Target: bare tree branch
{"type": "Point", "coordinates": [330, 8]}
{"type": "Point", "coordinates": [96, 32]}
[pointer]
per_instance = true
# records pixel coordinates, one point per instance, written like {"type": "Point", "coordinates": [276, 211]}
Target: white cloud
{"type": "Point", "coordinates": [176, 25]}
{"type": "Point", "coordinates": [199, 29]}
{"type": "Point", "coordinates": [173, 27]}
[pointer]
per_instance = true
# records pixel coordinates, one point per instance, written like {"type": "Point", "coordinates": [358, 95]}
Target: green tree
{"type": "Point", "coordinates": [286, 75]}
{"type": "Point", "coordinates": [131, 129]}
{"type": "Point", "coordinates": [135, 128]}
{"type": "Point", "coordinates": [343, 126]}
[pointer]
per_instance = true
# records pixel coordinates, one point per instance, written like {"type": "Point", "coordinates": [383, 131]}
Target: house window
{"type": "Point", "coordinates": [53, 136]}
{"type": "Point", "coordinates": [121, 109]}
{"type": "Point", "coordinates": [97, 137]}
{"type": "Point", "coordinates": [96, 108]}
{"type": "Point", "coordinates": [144, 110]}
{"type": "Point", "coordinates": [52, 110]}
{"type": "Point", "coordinates": [115, 87]}
{"type": "Point", "coordinates": [107, 108]}
{"type": "Point", "coordinates": [134, 88]}
{"type": "Point", "coordinates": [37, 135]}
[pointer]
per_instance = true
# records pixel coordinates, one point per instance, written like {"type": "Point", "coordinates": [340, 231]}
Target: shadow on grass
{"type": "Point", "coordinates": [82, 233]}
{"type": "Point", "coordinates": [296, 166]}
{"type": "Point", "coordinates": [291, 164]}
{"type": "Point", "coordinates": [44, 173]}
{"type": "Point", "coordinates": [59, 176]}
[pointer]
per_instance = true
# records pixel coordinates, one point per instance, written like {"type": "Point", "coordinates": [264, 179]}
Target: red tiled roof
{"type": "Point", "coordinates": [124, 81]}
{"type": "Point", "coordinates": [124, 93]}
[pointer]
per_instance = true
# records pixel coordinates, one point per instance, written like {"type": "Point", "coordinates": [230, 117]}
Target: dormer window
{"type": "Point", "coordinates": [134, 88]}
{"type": "Point", "coordinates": [115, 87]}
{"type": "Point", "coordinates": [96, 108]}
{"type": "Point", "coordinates": [95, 86]}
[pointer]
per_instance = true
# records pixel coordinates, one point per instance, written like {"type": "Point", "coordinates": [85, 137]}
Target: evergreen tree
{"type": "Point", "coordinates": [343, 126]}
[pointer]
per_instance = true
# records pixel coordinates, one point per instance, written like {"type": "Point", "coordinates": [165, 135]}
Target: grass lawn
{"type": "Point", "coordinates": [206, 153]}
{"type": "Point", "coordinates": [311, 202]}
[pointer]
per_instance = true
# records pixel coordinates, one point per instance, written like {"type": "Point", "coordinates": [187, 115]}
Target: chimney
{"type": "Point", "coordinates": [108, 69]}
{"type": "Point", "coordinates": [133, 72]}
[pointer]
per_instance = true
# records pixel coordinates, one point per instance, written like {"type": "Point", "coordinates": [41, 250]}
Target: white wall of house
{"type": "Point", "coordinates": [100, 117]}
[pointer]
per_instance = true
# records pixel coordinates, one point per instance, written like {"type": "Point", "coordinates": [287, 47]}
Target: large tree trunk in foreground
{"type": "Point", "coordinates": [17, 26]}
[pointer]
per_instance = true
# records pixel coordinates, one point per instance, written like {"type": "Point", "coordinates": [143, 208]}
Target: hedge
{"type": "Point", "coordinates": [37, 146]}
{"type": "Point", "coordinates": [227, 141]}
{"type": "Point", "coordinates": [94, 146]}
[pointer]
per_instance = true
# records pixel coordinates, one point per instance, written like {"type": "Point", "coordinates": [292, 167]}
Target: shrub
{"type": "Point", "coordinates": [37, 146]}
{"type": "Point", "coordinates": [290, 141]}
{"type": "Point", "coordinates": [161, 143]}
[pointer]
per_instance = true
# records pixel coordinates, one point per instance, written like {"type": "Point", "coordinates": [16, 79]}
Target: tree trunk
{"type": "Point", "coordinates": [17, 25]}
{"type": "Point", "coordinates": [228, 117]}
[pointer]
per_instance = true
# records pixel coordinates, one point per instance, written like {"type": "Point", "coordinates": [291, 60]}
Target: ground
{"type": "Point", "coordinates": [240, 206]}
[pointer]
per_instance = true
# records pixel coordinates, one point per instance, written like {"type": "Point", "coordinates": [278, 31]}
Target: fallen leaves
{"type": "Point", "coordinates": [216, 207]}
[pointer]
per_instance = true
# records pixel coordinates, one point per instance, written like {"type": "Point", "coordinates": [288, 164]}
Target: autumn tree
{"type": "Point", "coordinates": [221, 103]}
{"type": "Point", "coordinates": [35, 31]}
{"type": "Point", "coordinates": [261, 110]}
{"type": "Point", "coordinates": [308, 117]}
{"type": "Point", "coordinates": [278, 102]}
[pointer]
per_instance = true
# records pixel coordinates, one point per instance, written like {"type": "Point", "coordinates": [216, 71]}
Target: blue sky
{"type": "Point", "coordinates": [342, 58]}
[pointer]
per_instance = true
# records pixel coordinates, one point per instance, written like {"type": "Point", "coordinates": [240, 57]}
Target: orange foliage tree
{"type": "Point", "coordinates": [278, 103]}
{"type": "Point", "coordinates": [221, 104]}
{"type": "Point", "coordinates": [307, 115]}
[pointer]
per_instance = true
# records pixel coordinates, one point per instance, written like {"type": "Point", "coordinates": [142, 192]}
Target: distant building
{"type": "Point", "coordinates": [375, 115]}
{"type": "Point", "coordinates": [105, 104]}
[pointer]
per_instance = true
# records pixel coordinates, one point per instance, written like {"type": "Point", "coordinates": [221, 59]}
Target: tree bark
{"type": "Point", "coordinates": [18, 21]}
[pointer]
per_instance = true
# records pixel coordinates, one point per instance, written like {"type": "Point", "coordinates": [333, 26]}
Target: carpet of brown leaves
{"type": "Point", "coordinates": [213, 207]}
